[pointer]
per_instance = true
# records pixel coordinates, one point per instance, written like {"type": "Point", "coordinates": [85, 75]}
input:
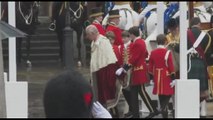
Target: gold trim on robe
{"type": "Point", "coordinates": [138, 68]}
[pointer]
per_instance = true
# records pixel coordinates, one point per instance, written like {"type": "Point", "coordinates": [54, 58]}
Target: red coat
{"type": "Point", "coordinates": [125, 53]}
{"type": "Point", "coordinates": [124, 57]}
{"type": "Point", "coordinates": [118, 55]}
{"type": "Point", "coordinates": [161, 72]}
{"type": "Point", "coordinates": [99, 27]}
{"type": "Point", "coordinates": [138, 54]}
{"type": "Point", "coordinates": [117, 31]}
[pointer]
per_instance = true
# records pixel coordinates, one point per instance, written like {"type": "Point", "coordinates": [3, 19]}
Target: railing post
{"type": "Point", "coordinates": [68, 41]}
{"type": "Point", "coordinates": [187, 102]}
{"type": "Point", "coordinates": [191, 11]}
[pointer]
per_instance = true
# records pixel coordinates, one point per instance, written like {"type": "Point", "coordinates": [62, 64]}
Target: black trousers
{"type": "Point", "coordinates": [127, 95]}
{"type": "Point", "coordinates": [140, 89]}
{"type": "Point", "coordinates": [164, 101]}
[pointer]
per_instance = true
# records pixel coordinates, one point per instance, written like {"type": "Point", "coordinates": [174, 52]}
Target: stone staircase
{"type": "Point", "coordinates": [44, 45]}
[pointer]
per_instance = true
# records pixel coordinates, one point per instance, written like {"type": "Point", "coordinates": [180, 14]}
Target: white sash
{"type": "Point", "coordinates": [197, 42]}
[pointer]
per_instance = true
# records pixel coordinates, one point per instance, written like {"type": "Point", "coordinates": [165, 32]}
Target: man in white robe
{"type": "Point", "coordinates": [102, 66]}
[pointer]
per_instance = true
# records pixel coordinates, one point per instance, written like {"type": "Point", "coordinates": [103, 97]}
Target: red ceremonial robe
{"type": "Point", "coordinates": [99, 27]}
{"type": "Point", "coordinates": [117, 31]}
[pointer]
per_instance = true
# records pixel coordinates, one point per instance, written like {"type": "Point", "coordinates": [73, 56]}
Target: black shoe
{"type": "Point", "coordinates": [203, 116]}
{"type": "Point", "coordinates": [173, 113]}
{"type": "Point", "coordinates": [128, 115]}
{"type": "Point", "coordinates": [164, 114]}
{"type": "Point", "coordinates": [152, 114]}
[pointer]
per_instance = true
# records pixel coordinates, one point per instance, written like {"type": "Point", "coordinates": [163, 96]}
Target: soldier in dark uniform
{"type": "Point", "coordinates": [209, 59]}
{"type": "Point", "coordinates": [57, 8]}
{"type": "Point", "coordinates": [138, 54]}
{"type": "Point", "coordinates": [136, 5]}
{"type": "Point", "coordinates": [197, 61]}
{"type": "Point", "coordinates": [4, 11]}
{"type": "Point", "coordinates": [36, 11]}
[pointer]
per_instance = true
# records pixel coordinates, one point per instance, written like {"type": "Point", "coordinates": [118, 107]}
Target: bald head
{"type": "Point", "coordinates": [92, 32]}
{"type": "Point", "coordinates": [91, 29]}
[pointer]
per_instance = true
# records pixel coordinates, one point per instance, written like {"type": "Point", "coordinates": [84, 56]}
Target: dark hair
{"type": "Point", "coordinates": [125, 34]}
{"type": "Point", "coordinates": [68, 95]}
{"type": "Point", "coordinates": [195, 21]}
{"type": "Point", "coordinates": [161, 39]}
{"type": "Point", "coordinates": [211, 21]}
{"type": "Point", "coordinates": [134, 30]}
{"type": "Point", "coordinates": [172, 23]}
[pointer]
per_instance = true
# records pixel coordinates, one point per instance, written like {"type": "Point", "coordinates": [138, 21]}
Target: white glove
{"type": "Point", "coordinates": [119, 71]}
{"type": "Point", "coordinates": [151, 82]}
{"type": "Point", "coordinates": [172, 84]}
{"type": "Point", "coordinates": [98, 111]}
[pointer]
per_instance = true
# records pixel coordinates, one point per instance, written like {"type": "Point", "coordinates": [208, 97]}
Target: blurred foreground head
{"type": "Point", "coordinates": [68, 95]}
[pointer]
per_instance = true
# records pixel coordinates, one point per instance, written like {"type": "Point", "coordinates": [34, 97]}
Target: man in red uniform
{"type": "Point", "coordinates": [111, 36]}
{"type": "Point", "coordinates": [138, 54]}
{"type": "Point", "coordinates": [114, 111]}
{"type": "Point", "coordinates": [114, 19]}
{"type": "Point", "coordinates": [97, 16]}
{"type": "Point", "coordinates": [161, 69]}
{"type": "Point", "coordinates": [125, 52]}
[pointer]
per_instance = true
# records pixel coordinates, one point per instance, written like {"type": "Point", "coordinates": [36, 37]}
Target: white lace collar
{"type": "Point", "coordinates": [96, 21]}
{"type": "Point", "coordinates": [137, 38]}
{"type": "Point", "coordinates": [160, 46]}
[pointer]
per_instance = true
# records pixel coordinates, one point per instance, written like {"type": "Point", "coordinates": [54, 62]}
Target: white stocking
{"type": "Point", "coordinates": [203, 108]}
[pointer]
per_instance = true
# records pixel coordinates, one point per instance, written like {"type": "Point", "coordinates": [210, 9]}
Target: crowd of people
{"type": "Point", "coordinates": [121, 57]}
{"type": "Point", "coordinates": [129, 66]}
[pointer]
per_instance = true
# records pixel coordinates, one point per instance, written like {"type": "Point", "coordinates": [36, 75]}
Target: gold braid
{"type": "Point", "coordinates": [210, 40]}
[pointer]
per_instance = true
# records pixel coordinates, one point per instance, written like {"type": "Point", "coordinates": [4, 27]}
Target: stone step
{"type": "Point", "coordinates": [37, 50]}
{"type": "Point", "coordinates": [44, 19]}
{"type": "Point", "coordinates": [39, 37]}
{"type": "Point", "coordinates": [45, 30]}
{"type": "Point", "coordinates": [39, 57]}
{"type": "Point", "coordinates": [42, 43]}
